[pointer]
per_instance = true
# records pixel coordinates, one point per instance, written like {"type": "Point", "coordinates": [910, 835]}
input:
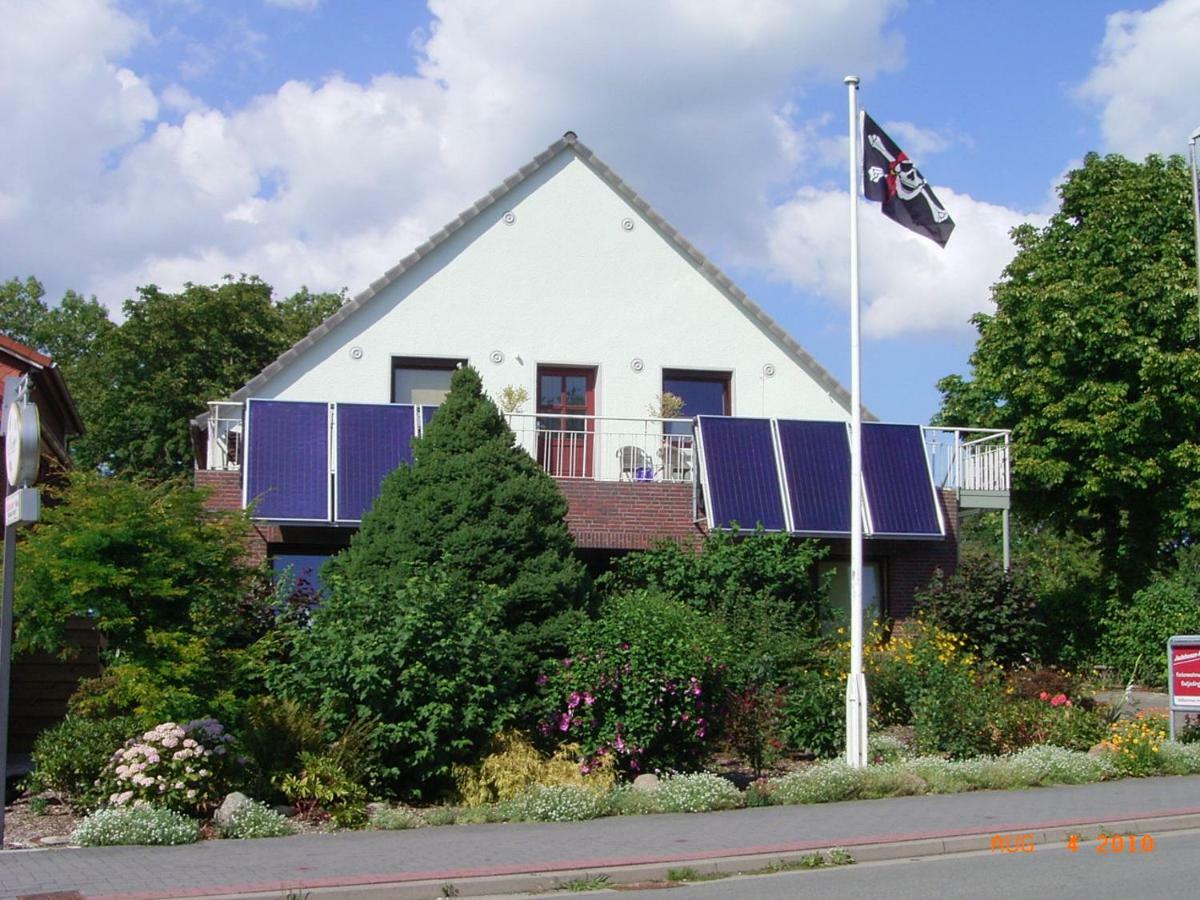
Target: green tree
{"type": "Point", "coordinates": [173, 354]}
{"type": "Point", "coordinates": [480, 508]}
{"type": "Point", "coordinates": [1091, 358]}
{"type": "Point", "coordinates": [134, 557]}
{"type": "Point", "coordinates": [69, 332]}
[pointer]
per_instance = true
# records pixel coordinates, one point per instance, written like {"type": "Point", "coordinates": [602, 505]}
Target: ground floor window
{"type": "Point", "coordinates": [839, 591]}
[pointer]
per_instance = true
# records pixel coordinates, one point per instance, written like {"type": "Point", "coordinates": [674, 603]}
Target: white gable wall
{"type": "Point", "coordinates": [564, 284]}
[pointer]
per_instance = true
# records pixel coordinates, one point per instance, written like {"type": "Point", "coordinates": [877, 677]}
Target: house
{"type": "Point", "coordinates": [564, 287]}
{"type": "Point", "coordinates": [41, 683]}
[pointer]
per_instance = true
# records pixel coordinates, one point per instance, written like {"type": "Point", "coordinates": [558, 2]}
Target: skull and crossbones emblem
{"type": "Point", "coordinates": [903, 179]}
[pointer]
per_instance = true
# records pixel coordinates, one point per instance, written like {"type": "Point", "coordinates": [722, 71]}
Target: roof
{"type": "Point", "coordinates": [569, 142]}
{"type": "Point", "coordinates": [49, 378]}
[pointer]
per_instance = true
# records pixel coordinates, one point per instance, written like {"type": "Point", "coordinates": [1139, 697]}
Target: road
{"type": "Point", "coordinates": [1169, 870]}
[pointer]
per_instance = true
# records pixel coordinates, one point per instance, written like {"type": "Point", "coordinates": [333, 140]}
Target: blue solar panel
{"type": "Point", "coordinates": [741, 476]}
{"type": "Point", "coordinates": [816, 469]}
{"type": "Point", "coordinates": [287, 460]}
{"type": "Point", "coordinates": [898, 485]}
{"type": "Point", "coordinates": [372, 441]}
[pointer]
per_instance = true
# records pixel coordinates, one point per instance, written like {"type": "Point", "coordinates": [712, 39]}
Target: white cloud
{"type": "Point", "coordinates": [908, 283]}
{"type": "Point", "coordinates": [330, 183]}
{"type": "Point", "coordinates": [1145, 79]}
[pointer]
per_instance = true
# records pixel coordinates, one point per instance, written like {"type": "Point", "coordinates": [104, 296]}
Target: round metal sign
{"type": "Point", "coordinates": [22, 444]}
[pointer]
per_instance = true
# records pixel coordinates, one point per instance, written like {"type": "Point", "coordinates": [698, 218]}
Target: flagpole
{"type": "Point", "coordinates": [856, 683]}
{"type": "Point", "coordinates": [1195, 213]}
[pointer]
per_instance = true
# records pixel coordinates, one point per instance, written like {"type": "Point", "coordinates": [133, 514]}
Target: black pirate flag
{"type": "Point", "coordinates": [890, 178]}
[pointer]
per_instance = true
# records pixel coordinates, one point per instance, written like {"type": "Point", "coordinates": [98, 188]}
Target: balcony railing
{"type": "Point", "coordinates": [970, 459]}
{"type": "Point", "coordinates": [225, 436]}
{"type": "Point", "coordinates": [607, 448]}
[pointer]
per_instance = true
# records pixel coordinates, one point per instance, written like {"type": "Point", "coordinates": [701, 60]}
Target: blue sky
{"type": "Point", "coordinates": [318, 141]}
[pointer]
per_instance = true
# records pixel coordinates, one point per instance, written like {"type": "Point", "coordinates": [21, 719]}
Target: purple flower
{"type": "Point", "coordinates": [588, 698]}
{"type": "Point", "coordinates": [567, 663]}
{"type": "Point", "coordinates": [541, 679]}
{"type": "Point", "coordinates": [573, 700]}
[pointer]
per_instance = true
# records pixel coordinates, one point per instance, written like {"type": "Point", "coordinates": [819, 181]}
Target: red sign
{"type": "Point", "coordinates": [1185, 674]}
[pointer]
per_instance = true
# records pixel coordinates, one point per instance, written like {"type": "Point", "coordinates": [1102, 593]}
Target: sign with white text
{"type": "Point", "coordinates": [1183, 654]}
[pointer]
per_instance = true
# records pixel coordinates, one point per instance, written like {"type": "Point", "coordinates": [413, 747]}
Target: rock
{"type": "Point", "coordinates": [55, 840]}
{"type": "Point", "coordinates": [285, 810]}
{"type": "Point", "coordinates": [223, 817]}
{"type": "Point", "coordinates": [647, 782]}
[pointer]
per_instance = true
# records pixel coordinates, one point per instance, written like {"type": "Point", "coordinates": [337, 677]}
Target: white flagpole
{"type": "Point", "coordinates": [1195, 211]}
{"type": "Point", "coordinates": [856, 683]}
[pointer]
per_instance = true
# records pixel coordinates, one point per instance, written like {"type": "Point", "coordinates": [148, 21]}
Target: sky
{"type": "Point", "coordinates": [317, 142]}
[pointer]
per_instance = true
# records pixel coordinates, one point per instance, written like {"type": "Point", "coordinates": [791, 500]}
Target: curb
{"type": "Point", "coordinates": [863, 850]}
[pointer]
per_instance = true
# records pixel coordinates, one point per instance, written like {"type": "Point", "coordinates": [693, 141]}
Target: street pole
{"type": "Point", "coordinates": [10, 557]}
{"type": "Point", "coordinates": [856, 683]}
{"type": "Point", "coordinates": [1195, 217]}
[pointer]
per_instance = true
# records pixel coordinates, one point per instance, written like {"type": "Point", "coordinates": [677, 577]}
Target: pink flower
{"type": "Point", "coordinates": [541, 679]}
{"type": "Point", "coordinates": [588, 699]}
{"type": "Point", "coordinates": [567, 663]}
{"type": "Point", "coordinates": [573, 700]}
{"type": "Point", "coordinates": [1060, 700]}
{"type": "Point", "coordinates": [1043, 696]}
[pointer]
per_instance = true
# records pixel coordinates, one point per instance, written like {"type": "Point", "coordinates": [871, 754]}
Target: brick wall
{"type": "Point", "coordinates": [628, 515]}
{"type": "Point", "coordinates": [226, 493]}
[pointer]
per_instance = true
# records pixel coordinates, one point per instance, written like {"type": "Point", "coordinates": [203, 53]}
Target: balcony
{"type": "Point", "coordinates": [334, 455]}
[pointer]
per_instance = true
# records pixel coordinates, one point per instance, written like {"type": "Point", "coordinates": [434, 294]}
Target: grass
{"type": "Point", "coordinates": [586, 883]}
{"type": "Point", "coordinates": [689, 874]}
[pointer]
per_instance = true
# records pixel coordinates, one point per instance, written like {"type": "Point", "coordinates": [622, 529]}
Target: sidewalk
{"type": "Point", "coordinates": [482, 859]}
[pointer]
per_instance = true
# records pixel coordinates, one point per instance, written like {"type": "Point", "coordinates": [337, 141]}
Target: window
{"type": "Point", "coordinates": [302, 569]}
{"type": "Point", "coordinates": [839, 591]}
{"type": "Point", "coordinates": [422, 381]}
{"type": "Point", "coordinates": [702, 393]}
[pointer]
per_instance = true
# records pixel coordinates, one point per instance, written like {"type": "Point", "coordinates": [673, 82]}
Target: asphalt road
{"type": "Point", "coordinates": [1169, 870]}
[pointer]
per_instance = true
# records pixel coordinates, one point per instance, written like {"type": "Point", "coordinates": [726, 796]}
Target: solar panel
{"type": "Point", "coordinates": [816, 469]}
{"type": "Point", "coordinates": [740, 473]}
{"type": "Point", "coordinates": [372, 441]}
{"type": "Point", "coordinates": [898, 484]}
{"type": "Point", "coordinates": [287, 460]}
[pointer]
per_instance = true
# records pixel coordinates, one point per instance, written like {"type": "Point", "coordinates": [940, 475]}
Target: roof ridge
{"type": "Point", "coordinates": [569, 141]}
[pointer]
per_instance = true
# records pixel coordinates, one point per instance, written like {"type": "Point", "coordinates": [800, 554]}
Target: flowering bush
{"type": "Point", "coordinates": [257, 820]}
{"type": "Point", "coordinates": [1049, 719]}
{"type": "Point", "coordinates": [699, 792]}
{"type": "Point", "coordinates": [754, 720]}
{"type": "Point", "coordinates": [1134, 744]}
{"type": "Point", "coordinates": [643, 685]}
{"type": "Point", "coordinates": [557, 803]}
{"type": "Point", "coordinates": [324, 788]}
{"type": "Point", "coordinates": [140, 824]}
{"type": "Point", "coordinates": [188, 768]}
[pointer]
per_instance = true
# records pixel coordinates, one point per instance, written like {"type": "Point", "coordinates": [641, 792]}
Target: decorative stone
{"type": "Point", "coordinates": [223, 817]}
{"type": "Point", "coordinates": [646, 782]}
{"type": "Point", "coordinates": [284, 809]}
{"type": "Point", "coordinates": [55, 840]}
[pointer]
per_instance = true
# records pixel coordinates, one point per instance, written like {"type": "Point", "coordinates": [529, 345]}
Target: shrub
{"type": "Point", "coordinates": [997, 611]}
{"type": "Point", "coordinates": [814, 714]}
{"type": "Point", "coordinates": [643, 684]}
{"type": "Point", "coordinates": [1133, 745]}
{"type": "Point", "coordinates": [954, 713]}
{"type": "Point", "coordinates": [142, 824]}
{"type": "Point", "coordinates": [1053, 720]}
{"type": "Point", "coordinates": [70, 757]}
{"type": "Point", "coordinates": [823, 783]}
{"type": "Point", "coordinates": [422, 659]}
{"type": "Point", "coordinates": [753, 722]}
{"type": "Point", "coordinates": [759, 586]}
{"type": "Point", "coordinates": [1139, 629]}
{"type": "Point", "coordinates": [1179, 759]}
{"type": "Point", "coordinates": [514, 765]}
{"type": "Point", "coordinates": [277, 731]}
{"type": "Point", "coordinates": [885, 748]}
{"type": "Point", "coordinates": [393, 818]}
{"type": "Point", "coordinates": [188, 768]}
{"type": "Point", "coordinates": [557, 803]}
{"type": "Point", "coordinates": [700, 792]}
{"type": "Point", "coordinates": [323, 788]}
{"type": "Point", "coordinates": [626, 800]}
{"type": "Point", "coordinates": [482, 509]}
{"type": "Point", "coordinates": [257, 820]}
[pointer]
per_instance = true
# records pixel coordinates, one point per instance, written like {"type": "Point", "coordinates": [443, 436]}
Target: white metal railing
{"type": "Point", "coordinates": [970, 459]}
{"type": "Point", "coordinates": [225, 436]}
{"type": "Point", "coordinates": [607, 448]}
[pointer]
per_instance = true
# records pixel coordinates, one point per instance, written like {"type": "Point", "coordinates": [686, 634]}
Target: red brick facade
{"type": "Point", "coordinates": [604, 515]}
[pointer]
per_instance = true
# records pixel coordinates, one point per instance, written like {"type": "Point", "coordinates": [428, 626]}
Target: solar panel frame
{"type": "Point", "coordinates": [838, 441]}
{"type": "Point", "coordinates": [264, 513]}
{"type": "Point", "coordinates": [771, 493]}
{"type": "Point", "coordinates": [910, 482]}
{"type": "Point", "coordinates": [349, 455]}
